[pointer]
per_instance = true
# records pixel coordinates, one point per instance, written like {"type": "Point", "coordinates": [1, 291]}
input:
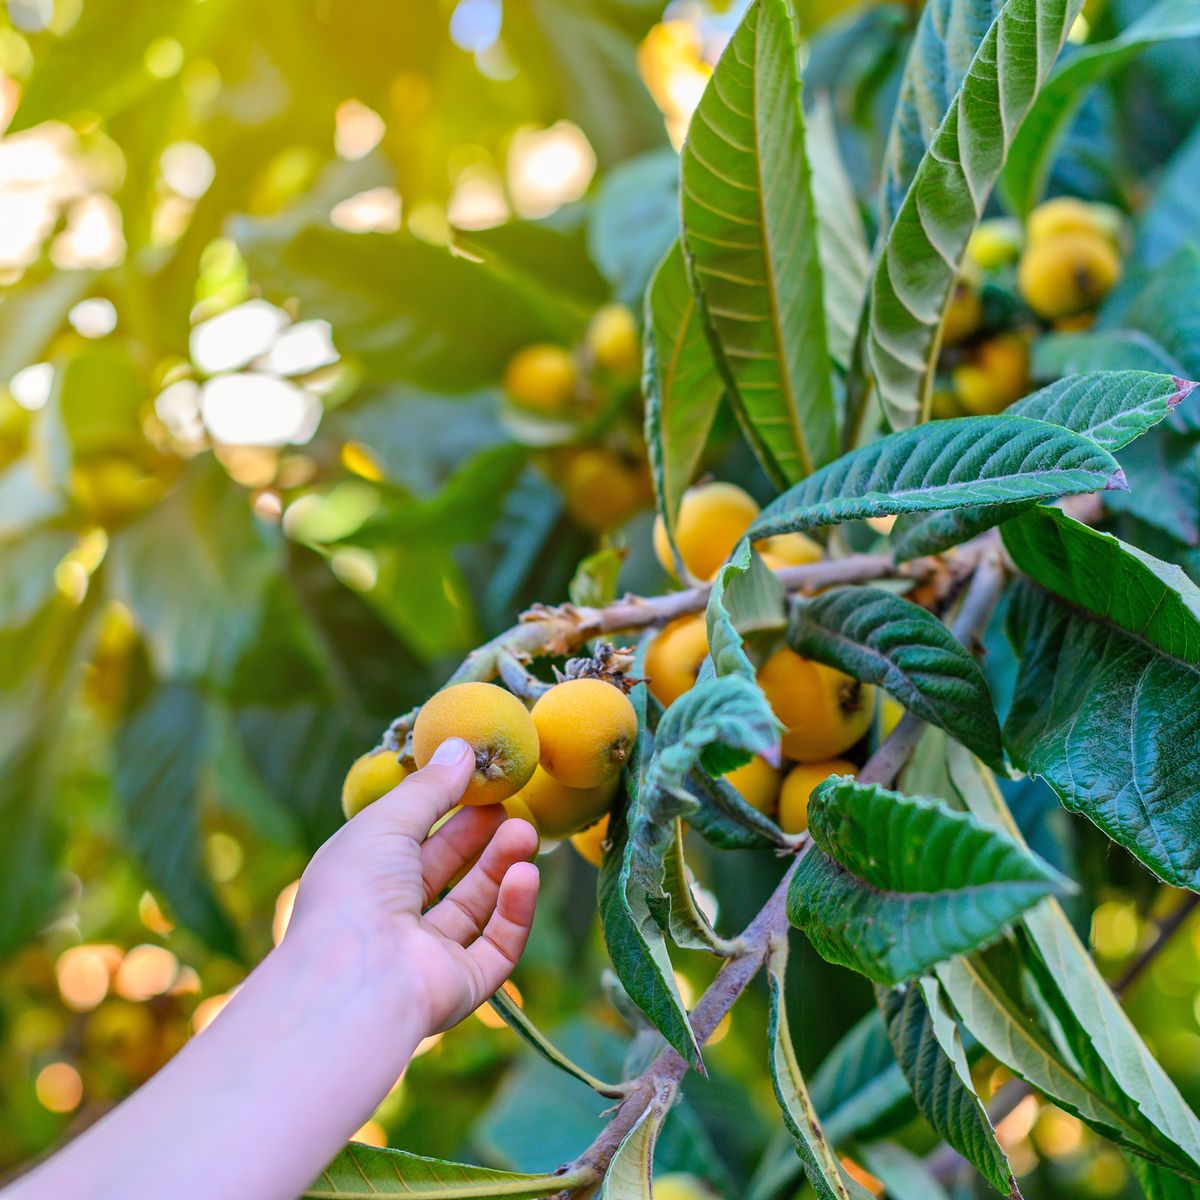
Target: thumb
{"type": "Point", "coordinates": [429, 794]}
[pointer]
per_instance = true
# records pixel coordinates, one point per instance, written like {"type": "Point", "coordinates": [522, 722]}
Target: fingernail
{"type": "Point", "coordinates": [449, 752]}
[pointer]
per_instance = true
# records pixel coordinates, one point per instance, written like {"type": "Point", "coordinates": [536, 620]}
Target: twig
{"type": "Point", "coordinates": [1166, 930]}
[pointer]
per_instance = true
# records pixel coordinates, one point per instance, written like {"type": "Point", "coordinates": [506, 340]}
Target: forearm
{"type": "Point", "coordinates": [256, 1105]}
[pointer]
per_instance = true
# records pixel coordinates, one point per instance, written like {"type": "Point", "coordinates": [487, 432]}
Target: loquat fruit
{"type": "Point", "coordinates": [674, 657]}
{"type": "Point", "coordinates": [589, 842]}
{"type": "Point", "coordinates": [558, 810]}
{"type": "Point", "coordinates": [824, 712]}
{"type": "Point", "coordinates": [758, 784]}
{"type": "Point", "coordinates": [612, 339]}
{"type": "Point", "coordinates": [602, 490]}
{"type": "Point", "coordinates": [944, 404]}
{"type": "Point", "coordinates": [586, 729]}
{"type": "Point", "coordinates": [994, 243]}
{"type": "Point", "coordinates": [789, 550]}
{"type": "Point", "coordinates": [996, 375]}
{"type": "Point", "coordinates": [890, 713]}
{"type": "Point", "coordinates": [1063, 214]}
{"type": "Point", "coordinates": [541, 379]}
{"type": "Point", "coordinates": [374, 774]}
{"type": "Point", "coordinates": [798, 786]}
{"type": "Point", "coordinates": [963, 315]}
{"type": "Point", "coordinates": [712, 519]}
{"type": "Point", "coordinates": [498, 728]}
{"type": "Point", "coordinates": [1068, 273]}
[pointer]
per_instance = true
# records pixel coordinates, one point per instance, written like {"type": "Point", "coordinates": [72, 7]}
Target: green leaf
{"type": "Point", "coordinates": [683, 389]}
{"type": "Point", "coordinates": [903, 1174]}
{"type": "Point", "coordinates": [859, 1086]}
{"type": "Point", "coordinates": [27, 567]}
{"type": "Point", "coordinates": [1105, 700]}
{"type": "Point", "coordinates": [791, 1092]}
{"type": "Point", "coordinates": [193, 570]}
{"type": "Point", "coordinates": [1058, 354]}
{"type": "Point", "coordinates": [725, 819]}
{"type": "Point", "coordinates": [930, 1052]}
{"type": "Point", "coordinates": [679, 915]}
{"type": "Point", "coordinates": [841, 236]}
{"type": "Point", "coordinates": [1173, 214]}
{"type": "Point", "coordinates": [974, 116]}
{"type": "Point", "coordinates": [1112, 408]}
{"type": "Point", "coordinates": [32, 313]}
{"type": "Point", "coordinates": [402, 308]}
{"type": "Point", "coordinates": [634, 939]}
{"type": "Point", "coordinates": [1032, 153]}
{"type": "Point", "coordinates": [948, 464]}
{"type": "Point", "coordinates": [897, 883]}
{"type": "Point", "coordinates": [746, 598]}
{"type": "Point", "coordinates": [1163, 471]}
{"type": "Point", "coordinates": [160, 751]}
{"type": "Point", "coordinates": [594, 583]}
{"type": "Point", "coordinates": [360, 1172]}
{"type": "Point", "coordinates": [1117, 1083]}
{"type": "Point", "coordinates": [750, 235]}
{"type": "Point", "coordinates": [98, 397]}
{"type": "Point", "coordinates": [631, 1171]}
{"type": "Point", "coordinates": [881, 638]}
{"type": "Point", "coordinates": [634, 223]}
{"type": "Point", "coordinates": [516, 1019]}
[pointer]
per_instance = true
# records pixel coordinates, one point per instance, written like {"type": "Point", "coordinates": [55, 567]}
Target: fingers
{"type": "Point", "coordinates": [504, 937]}
{"type": "Point", "coordinates": [462, 915]}
{"type": "Point", "coordinates": [455, 844]}
{"type": "Point", "coordinates": [428, 794]}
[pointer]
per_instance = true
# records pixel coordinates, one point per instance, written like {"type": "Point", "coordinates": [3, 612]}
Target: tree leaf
{"type": "Point", "coordinates": [1119, 1067]}
{"type": "Point", "coordinates": [903, 1174]}
{"type": "Point", "coordinates": [631, 1171]}
{"type": "Point", "coordinates": [948, 464]}
{"type": "Point", "coordinates": [930, 1053]}
{"type": "Point", "coordinates": [841, 236]}
{"type": "Point", "coordinates": [975, 120]}
{"type": "Point", "coordinates": [859, 1086]}
{"type": "Point", "coordinates": [745, 598]}
{"type": "Point", "coordinates": [1033, 149]}
{"type": "Point", "coordinates": [791, 1093]}
{"type": "Point", "coordinates": [27, 565]}
{"type": "Point", "coordinates": [360, 1172]}
{"type": "Point", "coordinates": [194, 570]}
{"type": "Point", "coordinates": [750, 235]}
{"type": "Point", "coordinates": [679, 915]}
{"type": "Point", "coordinates": [1163, 471]}
{"type": "Point", "coordinates": [1106, 697]}
{"type": "Point", "coordinates": [725, 819]}
{"type": "Point", "coordinates": [898, 883]}
{"type": "Point", "coordinates": [682, 386]}
{"type": "Point", "coordinates": [881, 638]}
{"type": "Point", "coordinates": [1173, 214]}
{"type": "Point", "coordinates": [160, 751]}
{"type": "Point", "coordinates": [634, 939]}
{"type": "Point", "coordinates": [1112, 408]}
{"type": "Point", "coordinates": [519, 1022]}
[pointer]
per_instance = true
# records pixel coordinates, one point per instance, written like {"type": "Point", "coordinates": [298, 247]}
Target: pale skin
{"type": "Point", "coordinates": [255, 1106]}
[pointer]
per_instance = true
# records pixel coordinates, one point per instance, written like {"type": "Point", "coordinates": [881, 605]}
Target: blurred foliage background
{"type": "Point", "coordinates": [263, 267]}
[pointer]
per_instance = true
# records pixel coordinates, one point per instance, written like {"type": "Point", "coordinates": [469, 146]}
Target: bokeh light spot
{"type": "Point", "coordinates": [59, 1087]}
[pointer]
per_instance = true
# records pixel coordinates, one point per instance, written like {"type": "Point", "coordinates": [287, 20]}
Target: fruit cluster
{"type": "Point", "coordinates": [1016, 281]}
{"type": "Point", "coordinates": [582, 406]}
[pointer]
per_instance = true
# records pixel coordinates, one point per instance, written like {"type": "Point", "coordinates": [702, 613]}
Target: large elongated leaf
{"type": "Point", "coordinates": [160, 752]}
{"type": "Point", "coordinates": [1034, 147]}
{"type": "Point", "coordinates": [682, 386]}
{"type": "Point", "coordinates": [930, 1053]}
{"type": "Point", "coordinates": [1119, 1082]}
{"type": "Point", "coordinates": [1112, 408]}
{"type": "Point", "coordinates": [634, 939]}
{"type": "Point", "coordinates": [745, 598]}
{"type": "Point", "coordinates": [750, 234]}
{"type": "Point", "coordinates": [877, 636]}
{"type": "Point", "coordinates": [724, 818]}
{"type": "Point", "coordinates": [630, 1173]}
{"type": "Point", "coordinates": [791, 1092]}
{"type": "Point", "coordinates": [924, 244]}
{"type": "Point", "coordinates": [899, 883]}
{"type": "Point", "coordinates": [950, 464]}
{"type": "Point", "coordinates": [1107, 695]}
{"type": "Point", "coordinates": [363, 1171]}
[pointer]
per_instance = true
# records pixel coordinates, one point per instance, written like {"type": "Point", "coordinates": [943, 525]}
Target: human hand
{"type": "Point", "coordinates": [371, 889]}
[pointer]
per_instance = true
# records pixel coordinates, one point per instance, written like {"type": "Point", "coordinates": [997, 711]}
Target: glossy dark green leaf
{"type": "Point", "coordinates": [948, 464]}
{"type": "Point", "coordinates": [750, 236]}
{"type": "Point", "coordinates": [929, 1050]}
{"type": "Point", "coordinates": [1105, 707]}
{"type": "Point", "coordinates": [1112, 408]}
{"type": "Point", "coordinates": [898, 883]}
{"type": "Point", "coordinates": [973, 73]}
{"type": "Point", "coordinates": [1033, 150]}
{"type": "Point", "coordinates": [881, 638]}
{"type": "Point", "coordinates": [683, 389]}
{"type": "Point", "coordinates": [160, 752]}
